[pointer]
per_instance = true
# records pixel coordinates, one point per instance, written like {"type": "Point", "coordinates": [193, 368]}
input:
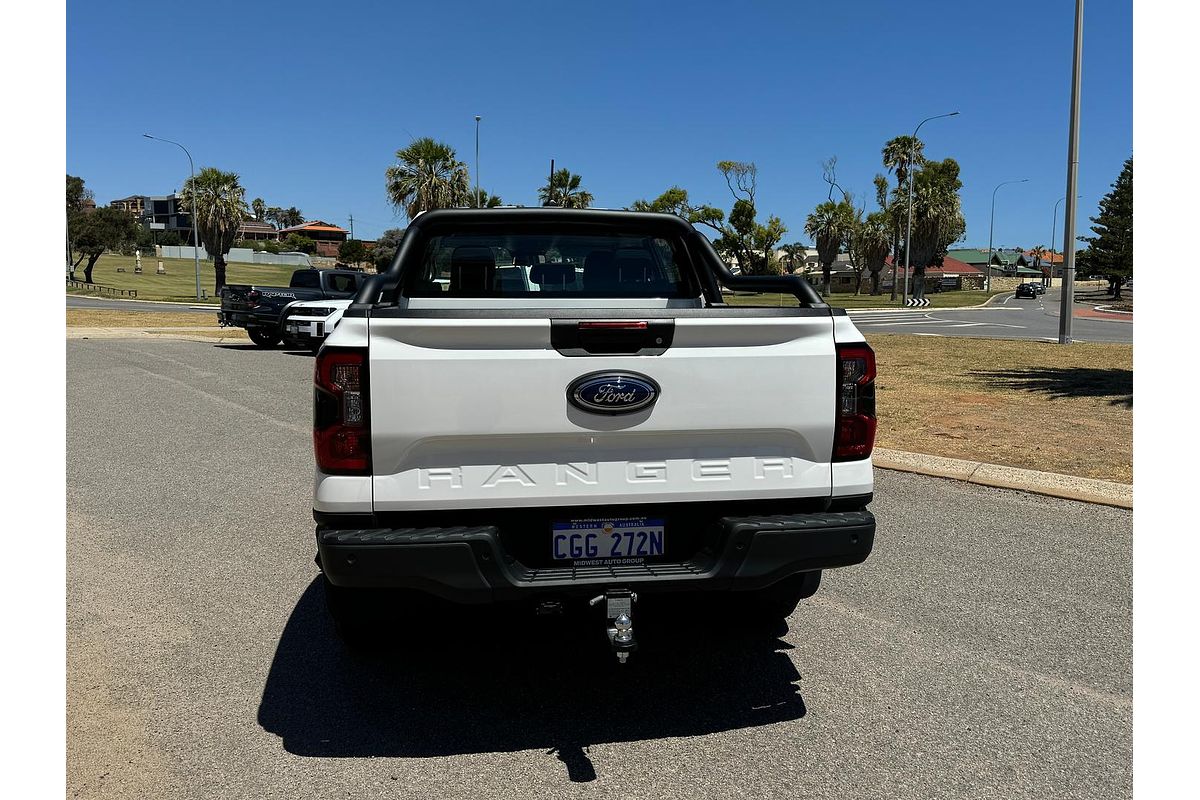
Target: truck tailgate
{"type": "Point", "coordinates": [472, 412]}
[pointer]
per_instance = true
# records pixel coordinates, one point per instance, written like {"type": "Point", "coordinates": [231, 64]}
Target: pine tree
{"type": "Point", "coordinates": [1110, 251]}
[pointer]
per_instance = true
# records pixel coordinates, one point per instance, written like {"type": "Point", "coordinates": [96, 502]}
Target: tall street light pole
{"type": "Point", "coordinates": [478, 196]}
{"type": "Point", "coordinates": [987, 283]}
{"type": "Point", "coordinates": [1054, 232]}
{"type": "Point", "coordinates": [912, 157]}
{"type": "Point", "coordinates": [1068, 279]}
{"type": "Point", "coordinates": [195, 217]}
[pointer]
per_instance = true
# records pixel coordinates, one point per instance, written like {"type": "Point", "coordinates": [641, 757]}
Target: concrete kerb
{"type": "Point", "coordinates": [1053, 484]}
{"type": "Point", "coordinates": [180, 334]}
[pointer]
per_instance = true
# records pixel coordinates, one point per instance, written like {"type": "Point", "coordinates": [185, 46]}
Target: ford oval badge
{"type": "Point", "coordinates": [612, 392]}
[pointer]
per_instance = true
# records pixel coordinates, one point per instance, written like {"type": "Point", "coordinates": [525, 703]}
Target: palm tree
{"type": "Point", "coordinates": [259, 208]}
{"type": "Point", "coordinates": [896, 155]}
{"type": "Point", "coordinates": [1038, 253]}
{"type": "Point", "coordinates": [220, 203]}
{"type": "Point", "coordinates": [427, 175]}
{"type": "Point", "coordinates": [485, 200]}
{"type": "Point", "coordinates": [564, 191]}
{"type": "Point", "coordinates": [290, 217]}
{"type": "Point", "coordinates": [937, 217]}
{"type": "Point", "coordinates": [870, 244]}
{"type": "Point", "coordinates": [830, 225]}
{"type": "Point", "coordinates": [900, 154]}
{"type": "Point", "coordinates": [792, 254]}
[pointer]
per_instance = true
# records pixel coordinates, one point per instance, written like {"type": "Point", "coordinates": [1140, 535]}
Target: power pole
{"type": "Point", "coordinates": [351, 226]}
{"type": "Point", "coordinates": [1068, 279]}
{"type": "Point", "coordinates": [478, 196]}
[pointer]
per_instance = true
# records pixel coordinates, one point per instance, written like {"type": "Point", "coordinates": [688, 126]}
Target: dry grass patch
{"type": "Point", "coordinates": [104, 318]}
{"type": "Point", "coordinates": [1025, 404]}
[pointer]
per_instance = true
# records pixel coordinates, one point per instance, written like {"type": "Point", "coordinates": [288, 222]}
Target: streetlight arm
{"type": "Point", "coordinates": [195, 216]}
{"type": "Point", "coordinates": [991, 229]}
{"type": "Point", "coordinates": [191, 165]}
{"type": "Point", "coordinates": [912, 157]}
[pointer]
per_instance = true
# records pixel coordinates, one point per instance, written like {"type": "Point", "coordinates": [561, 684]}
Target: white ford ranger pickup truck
{"type": "Point", "coordinates": [552, 408]}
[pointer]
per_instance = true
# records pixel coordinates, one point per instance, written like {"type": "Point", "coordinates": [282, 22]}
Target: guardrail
{"type": "Point", "coordinates": [92, 287]}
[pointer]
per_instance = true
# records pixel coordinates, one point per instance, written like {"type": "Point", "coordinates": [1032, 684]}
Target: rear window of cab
{"type": "Point", "coordinates": [550, 265]}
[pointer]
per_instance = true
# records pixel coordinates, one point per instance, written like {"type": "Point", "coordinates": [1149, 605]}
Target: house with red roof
{"type": "Point", "coordinates": [328, 237]}
{"type": "Point", "coordinates": [952, 274]}
{"type": "Point", "coordinates": [1052, 260]}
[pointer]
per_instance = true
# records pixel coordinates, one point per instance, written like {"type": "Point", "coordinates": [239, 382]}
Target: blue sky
{"type": "Point", "coordinates": [308, 102]}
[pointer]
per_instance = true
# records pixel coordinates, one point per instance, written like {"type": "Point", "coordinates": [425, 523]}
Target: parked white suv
{"type": "Point", "coordinates": [307, 324]}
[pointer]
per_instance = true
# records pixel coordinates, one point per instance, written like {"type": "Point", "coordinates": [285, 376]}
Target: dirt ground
{"type": "Point", "coordinates": [1034, 405]}
{"type": "Point", "coordinates": [104, 318]}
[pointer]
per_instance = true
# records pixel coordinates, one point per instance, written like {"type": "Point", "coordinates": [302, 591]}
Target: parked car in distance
{"type": "Point", "coordinates": [1027, 290]}
{"type": "Point", "coordinates": [260, 309]}
{"type": "Point", "coordinates": [307, 324]}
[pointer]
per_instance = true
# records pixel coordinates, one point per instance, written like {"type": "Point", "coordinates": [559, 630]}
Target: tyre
{"type": "Point", "coordinates": [356, 616]}
{"type": "Point", "coordinates": [368, 620]}
{"type": "Point", "coordinates": [776, 603]}
{"type": "Point", "coordinates": [263, 338]}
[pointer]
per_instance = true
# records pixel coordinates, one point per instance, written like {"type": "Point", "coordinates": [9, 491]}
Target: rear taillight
{"type": "Point", "coordinates": [341, 419]}
{"type": "Point", "coordinates": [855, 435]}
{"type": "Point", "coordinates": [252, 297]}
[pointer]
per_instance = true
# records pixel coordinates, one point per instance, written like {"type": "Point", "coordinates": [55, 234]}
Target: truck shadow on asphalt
{"type": "Point", "coordinates": [494, 683]}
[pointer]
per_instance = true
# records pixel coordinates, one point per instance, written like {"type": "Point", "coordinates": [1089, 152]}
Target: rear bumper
{"type": "Point", "coordinates": [304, 331]}
{"type": "Point", "coordinates": [246, 319]}
{"type": "Point", "coordinates": [469, 564]}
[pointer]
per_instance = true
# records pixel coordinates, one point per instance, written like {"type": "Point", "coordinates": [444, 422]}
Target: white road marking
{"type": "Point", "coordinates": [916, 322]}
{"type": "Point", "coordinates": [991, 324]}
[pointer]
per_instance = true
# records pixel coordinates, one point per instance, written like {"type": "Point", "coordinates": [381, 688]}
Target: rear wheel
{"type": "Point", "coordinates": [366, 620]}
{"type": "Point", "coordinates": [357, 625]}
{"type": "Point", "coordinates": [263, 338]}
{"type": "Point", "coordinates": [777, 602]}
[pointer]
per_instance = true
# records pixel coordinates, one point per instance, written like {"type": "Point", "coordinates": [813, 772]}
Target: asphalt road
{"type": "Point", "coordinates": [984, 649]}
{"type": "Point", "coordinates": [1010, 318]}
{"type": "Point", "coordinates": [79, 301]}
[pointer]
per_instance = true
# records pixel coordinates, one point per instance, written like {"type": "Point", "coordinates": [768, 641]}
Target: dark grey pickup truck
{"type": "Point", "coordinates": [261, 309]}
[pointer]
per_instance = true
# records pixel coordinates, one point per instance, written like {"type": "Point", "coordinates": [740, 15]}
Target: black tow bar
{"type": "Point", "coordinates": [618, 615]}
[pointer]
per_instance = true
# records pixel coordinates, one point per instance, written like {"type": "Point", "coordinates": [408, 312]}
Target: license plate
{"type": "Point", "coordinates": [633, 538]}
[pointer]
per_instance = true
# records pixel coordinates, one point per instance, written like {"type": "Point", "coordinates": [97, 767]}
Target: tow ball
{"type": "Point", "coordinates": [618, 616]}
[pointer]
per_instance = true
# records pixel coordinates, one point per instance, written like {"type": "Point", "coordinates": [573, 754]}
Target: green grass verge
{"type": "Point", "coordinates": [179, 284]}
{"type": "Point", "coordinates": [939, 300]}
